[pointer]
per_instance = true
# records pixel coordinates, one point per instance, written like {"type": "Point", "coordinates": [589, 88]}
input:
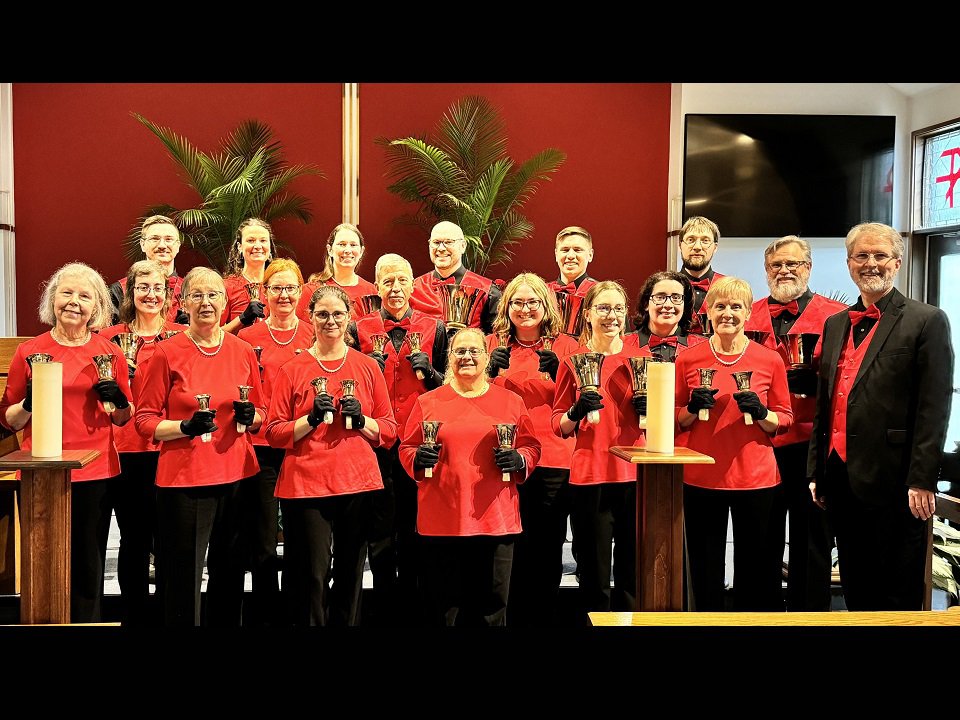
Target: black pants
{"type": "Point", "coordinates": [259, 525]}
{"type": "Point", "coordinates": [313, 529]}
{"type": "Point", "coordinates": [881, 548]}
{"type": "Point", "coordinates": [604, 519]}
{"type": "Point", "coordinates": [133, 497]}
{"type": "Point", "coordinates": [538, 553]}
{"type": "Point", "coordinates": [191, 520]}
{"type": "Point", "coordinates": [810, 537]}
{"type": "Point", "coordinates": [757, 547]}
{"type": "Point", "coordinates": [466, 580]}
{"type": "Point", "coordinates": [89, 529]}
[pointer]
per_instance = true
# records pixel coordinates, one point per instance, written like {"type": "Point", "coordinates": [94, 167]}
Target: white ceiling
{"type": "Point", "coordinates": [911, 89]}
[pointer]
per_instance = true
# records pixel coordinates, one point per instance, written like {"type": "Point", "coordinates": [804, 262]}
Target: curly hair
{"type": "Point", "coordinates": [102, 313]}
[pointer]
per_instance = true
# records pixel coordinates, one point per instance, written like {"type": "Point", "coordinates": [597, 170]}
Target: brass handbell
{"type": "Point", "coordinates": [253, 291]}
{"type": "Point", "coordinates": [742, 379]}
{"type": "Point", "coordinates": [506, 435]}
{"type": "Point", "coordinates": [431, 428]}
{"type": "Point", "coordinates": [39, 358]}
{"type": "Point", "coordinates": [459, 303]}
{"type": "Point", "coordinates": [571, 317]}
{"type": "Point", "coordinates": [104, 364]}
{"type": "Point", "coordinates": [379, 342]}
{"type": "Point", "coordinates": [706, 326]}
{"type": "Point", "coordinates": [414, 339]}
{"type": "Point", "coordinates": [638, 376]}
{"type": "Point", "coordinates": [347, 387]}
{"type": "Point", "coordinates": [203, 403]}
{"type": "Point", "coordinates": [799, 348]}
{"type": "Point", "coordinates": [244, 391]}
{"type": "Point", "coordinates": [586, 366]}
{"type": "Point", "coordinates": [129, 344]}
{"type": "Point", "coordinates": [320, 388]}
{"type": "Point", "coordinates": [758, 336]}
{"type": "Point", "coordinates": [547, 345]}
{"type": "Point", "coordinates": [706, 381]}
{"type": "Point", "coordinates": [368, 304]}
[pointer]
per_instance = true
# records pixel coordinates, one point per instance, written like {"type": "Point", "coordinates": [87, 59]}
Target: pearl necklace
{"type": "Point", "coordinates": [189, 334]}
{"type": "Point", "coordinates": [313, 351]}
{"type": "Point", "coordinates": [54, 331]}
{"type": "Point", "coordinates": [296, 324]}
{"type": "Point", "coordinates": [525, 345]}
{"type": "Point", "coordinates": [725, 362]}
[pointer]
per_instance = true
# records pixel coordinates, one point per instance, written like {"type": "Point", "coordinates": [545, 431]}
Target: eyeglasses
{"type": "Point", "coordinates": [521, 304]}
{"type": "Point", "coordinates": [147, 289]}
{"type": "Point", "coordinates": [661, 298]}
{"type": "Point", "coordinates": [155, 240]}
{"type": "Point", "coordinates": [791, 266]}
{"type": "Point", "coordinates": [463, 352]}
{"type": "Point", "coordinates": [863, 257]}
{"type": "Point", "coordinates": [338, 317]}
{"type": "Point", "coordinates": [691, 241]}
{"type": "Point", "coordinates": [605, 310]}
{"type": "Point", "coordinates": [280, 289]}
{"type": "Point", "coordinates": [443, 243]}
{"type": "Point", "coordinates": [199, 297]}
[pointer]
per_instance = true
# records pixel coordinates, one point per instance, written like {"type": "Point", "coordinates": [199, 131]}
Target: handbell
{"type": "Point", "coordinates": [244, 391]}
{"type": "Point", "coordinates": [547, 345]}
{"type": "Point", "coordinates": [758, 336]}
{"type": "Point", "coordinates": [347, 387]}
{"type": "Point", "coordinates": [586, 366]}
{"type": "Point", "coordinates": [706, 381]}
{"type": "Point", "coordinates": [203, 403]}
{"type": "Point", "coordinates": [414, 339]}
{"type": "Point", "coordinates": [571, 315]}
{"type": "Point", "coordinates": [706, 326]}
{"type": "Point", "coordinates": [253, 291]}
{"type": "Point", "coordinates": [379, 342]}
{"type": "Point", "coordinates": [104, 365]}
{"type": "Point", "coordinates": [320, 388]}
{"type": "Point", "coordinates": [431, 428]}
{"type": "Point", "coordinates": [638, 376]}
{"type": "Point", "coordinates": [506, 436]}
{"type": "Point", "coordinates": [129, 344]}
{"type": "Point", "coordinates": [39, 358]}
{"type": "Point", "coordinates": [367, 304]}
{"type": "Point", "coordinates": [799, 348]}
{"type": "Point", "coordinates": [742, 379]}
{"type": "Point", "coordinates": [459, 302]}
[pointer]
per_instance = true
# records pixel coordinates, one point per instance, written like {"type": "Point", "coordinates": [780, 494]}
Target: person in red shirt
{"type": "Point", "coordinates": [526, 322]}
{"type": "Point", "coordinates": [603, 488]}
{"type": "Point", "coordinates": [330, 468]}
{"type": "Point", "coordinates": [76, 302]}
{"type": "Point", "coordinates": [468, 514]}
{"type": "Point", "coordinates": [281, 337]}
{"type": "Point", "coordinates": [792, 308]}
{"type": "Point", "coordinates": [204, 454]}
{"type": "Point", "coordinates": [249, 257]}
{"type": "Point", "coordinates": [744, 481]}
{"type": "Point", "coordinates": [143, 312]}
{"type": "Point", "coordinates": [698, 242]}
{"type": "Point", "coordinates": [345, 248]}
{"type": "Point", "coordinates": [393, 542]}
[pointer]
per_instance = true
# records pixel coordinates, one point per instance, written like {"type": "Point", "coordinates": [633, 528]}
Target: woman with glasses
{"type": "Point", "coordinates": [143, 313]}
{"type": "Point", "coordinates": [744, 481]}
{"type": "Point", "coordinates": [329, 433]}
{"type": "Point", "coordinates": [468, 509]}
{"type": "Point", "coordinates": [603, 488]}
{"type": "Point", "coordinates": [345, 247]}
{"type": "Point", "coordinates": [525, 350]}
{"type": "Point", "coordinates": [204, 453]}
{"type": "Point", "coordinates": [249, 258]}
{"type": "Point", "coordinates": [282, 335]}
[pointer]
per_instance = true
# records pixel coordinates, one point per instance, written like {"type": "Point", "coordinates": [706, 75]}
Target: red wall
{"type": "Point", "coordinates": [614, 181]}
{"type": "Point", "coordinates": [84, 169]}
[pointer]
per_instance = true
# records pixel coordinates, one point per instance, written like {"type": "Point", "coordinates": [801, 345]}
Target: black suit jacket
{"type": "Point", "coordinates": [898, 407]}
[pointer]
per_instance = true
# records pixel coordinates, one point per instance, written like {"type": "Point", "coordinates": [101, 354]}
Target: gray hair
{"type": "Point", "coordinates": [884, 232]}
{"type": "Point", "coordinates": [200, 275]}
{"type": "Point", "coordinates": [391, 260]}
{"type": "Point", "coordinates": [787, 240]}
{"type": "Point", "coordinates": [102, 312]}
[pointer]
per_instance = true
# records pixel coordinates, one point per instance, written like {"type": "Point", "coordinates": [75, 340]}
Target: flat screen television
{"type": "Point", "coordinates": [774, 175]}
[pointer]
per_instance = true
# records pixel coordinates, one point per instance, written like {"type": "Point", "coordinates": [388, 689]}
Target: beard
{"type": "Point", "coordinates": [696, 264]}
{"type": "Point", "coordinates": [874, 284]}
{"type": "Point", "coordinates": [785, 292]}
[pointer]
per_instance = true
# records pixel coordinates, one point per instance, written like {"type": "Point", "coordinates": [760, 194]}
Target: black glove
{"type": "Point", "coordinates": [243, 412]}
{"type": "Point", "coordinates": [701, 398]}
{"type": "Point", "coordinates": [508, 459]}
{"type": "Point", "coordinates": [131, 371]}
{"type": "Point", "coordinates": [28, 398]}
{"type": "Point", "coordinates": [749, 402]}
{"type": "Point", "coordinates": [201, 422]}
{"type": "Point", "coordinates": [640, 405]}
{"type": "Point", "coordinates": [109, 391]}
{"type": "Point", "coordinates": [421, 361]}
{"type": "Point", "coordinates": [322, 404]}
{"type": "Point", "coordinates": [182, 318]}
{"type": "Point", "coordinates": [381, 359]}
{"type": "Point", "coordinates": [254, 310]}
{"type": "Point", "coordinates": [427, 456]}
{"type": "Point", "coordinates": [802, 381]}
{"type": "Point", "coordinates": [589, 400]}
{"type": "Point", "coordinates": [350, 408]}
{"type": "Point", "coordinates": [499, 360]}
{"type": "Point", "coordinates": [549, 363]}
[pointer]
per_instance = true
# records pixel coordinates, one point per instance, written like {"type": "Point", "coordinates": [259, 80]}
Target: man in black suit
{"type": "Point", "coordinates": [883, 402]}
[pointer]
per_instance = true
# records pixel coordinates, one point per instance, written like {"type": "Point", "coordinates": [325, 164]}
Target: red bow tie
{"type": "Point", "coordinates": [389, 324]}
{"type": "Point", "coordinates": [791, 307]}
{"type": "Point", "coordinates": [568, 288]}
{"type": "Point", "coordinates": [452, 280]}
{"type": "Point", "coordinates": [871, 312]}
{"type": "Point", "coordinates": [703, 284]}
{"type": "Point", "coordinates": [656, 340]}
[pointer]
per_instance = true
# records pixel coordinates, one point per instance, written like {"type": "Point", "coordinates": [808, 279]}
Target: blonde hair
{"type": "Point", "coordinates": [549, 325]}
{"type": "Point", "coordinates": [732, 288]}
{"type": "Point", "coordinates": [101, 314]}
{"type": "Point", "coordinates": [587, 333]}
{"type": "Point", "coordinates": [327, 271]}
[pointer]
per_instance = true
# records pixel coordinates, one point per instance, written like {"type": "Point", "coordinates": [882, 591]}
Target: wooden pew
{"type": "Point", "coordinates": [946, 618]}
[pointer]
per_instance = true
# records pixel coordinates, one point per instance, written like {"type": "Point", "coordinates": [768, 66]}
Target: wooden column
{"type": "Point", "coordinates": [660, 524]}
{"type": "Point", "coordinates": [45, 532]}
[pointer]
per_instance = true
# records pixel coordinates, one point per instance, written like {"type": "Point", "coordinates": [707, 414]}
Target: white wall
{"type": "Point", "coordinates": [935, 107]}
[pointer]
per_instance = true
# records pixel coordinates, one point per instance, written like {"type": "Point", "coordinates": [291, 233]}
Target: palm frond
{"type": "Point", "coordinates": [427, 165]}
{"type": "Point", "coordinates": [522, 184]}
{"type": "Point", "coordinates": [249, 137]}
{"type": "Point", "coordinates": [182, 152]}
{"type": "Point", "coordinates": [287, 205]}
{"type": "Point", "coordinates": [483, 199]}
{"type": "Point", "coordinates": [473, 135]}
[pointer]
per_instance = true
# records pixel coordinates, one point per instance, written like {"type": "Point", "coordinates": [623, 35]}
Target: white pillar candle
{"type": "Point", "coordinates": [47, 420]}
{"type": "Point", "coordinates": [661, 379]}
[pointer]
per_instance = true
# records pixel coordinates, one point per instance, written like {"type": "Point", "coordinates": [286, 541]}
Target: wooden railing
{"type": "Point", "coordinates": [9, 512]}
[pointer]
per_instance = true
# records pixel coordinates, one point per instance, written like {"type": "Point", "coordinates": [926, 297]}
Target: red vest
{"type": "Point", "coordinates": [848, 367]}
{"type": "Point", "coordinates": [426, 299]}
{"type": "Point", "coordinates": [582, 288]}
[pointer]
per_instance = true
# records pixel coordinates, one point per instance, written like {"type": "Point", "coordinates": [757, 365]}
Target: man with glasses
{"type": "Point", "coordinates": [447, 246]}
{"type": "Point", "coordinates": [160, 242]}
{"type": "Point", "coordinates": [883, 402]}
{"type": "Point", "coordinates": [699, 237]}
{"type": "Point", "coordinates": [792, 309]}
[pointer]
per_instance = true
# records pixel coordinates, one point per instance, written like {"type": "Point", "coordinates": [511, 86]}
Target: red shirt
{"type": "Point", "coordinates": [238, 298]}
{"type": "Point", "coordinates": [328, 460]}
{"type": "Point", "coordinates": [86, 425]}
{"type": "Point", "coordinates": [743, 453]}
{"type": "Point", "coordinates": [592, 460]}
{"type": "Point", "coordinates": [571, 287]}
{"type": "Point", "coordinates": [176, 373]}
{"type": "Point", "coordinates": [355, 292]}
{"type": "Point", "coordinates": [467, 494]}
{"type": "Point", "coordinates": [279, 346]}
{"type": "Point", "coordinates": [523, 377]}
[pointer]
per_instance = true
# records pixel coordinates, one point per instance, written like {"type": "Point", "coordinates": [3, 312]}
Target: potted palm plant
{"type": "Point", "coordinates": [247, 177]}
{"type": "Point", "coordinates": [465, 176]}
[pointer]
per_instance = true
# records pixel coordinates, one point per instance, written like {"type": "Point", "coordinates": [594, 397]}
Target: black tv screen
{"type": "Point", "coordinates": [775, 175]}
